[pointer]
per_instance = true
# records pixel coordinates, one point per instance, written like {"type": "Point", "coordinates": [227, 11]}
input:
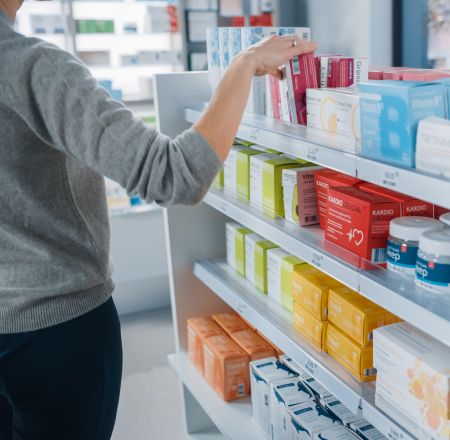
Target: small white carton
{"type": "Point", "coordinates": [320, 391]}
{"type": "Point", "coordinates": [212, 48]}
{"type": "Point", "coordinates": [337, 432]}
{"type": "Point", "coordinates": [262, 373]}
{"type": "Point", "coordinates": [285, 394]}
{"type": "Point", "coordinates": [250, 243]}
{"type": "Point", "coordinates": [366, 431]}
{"type": "Point", "coordinates": [339, 411]}
{"type": "Point", "coordinates": [224, 49]}
{"type": "Point", "coordinates": [235, 42]}
{"type": "Point", "coordinates": [230, 168]}
{"type": "Point", "coordinates": [308, 419]}
{"type": "Point", "coordinates": [256, 177]}
{"type": "Point", "coordinates": [294, 366]}
{"type": "Point", "coordinates": [230, 230]}
{"type": "Point", "coordinates": [274, 262]}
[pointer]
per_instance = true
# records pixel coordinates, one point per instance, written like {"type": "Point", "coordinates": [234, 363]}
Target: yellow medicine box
{"type": "Point", "coordinates": [310, 290]}
{"type": "Point", "coordinates": [312, 329]}
{"type": "Point", "coordinates": [354, 357]}
{"type": "Point", "coordinates": [357, 316]}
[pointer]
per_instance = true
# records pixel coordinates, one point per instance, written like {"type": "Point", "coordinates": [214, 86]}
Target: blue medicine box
{"type": "Point", "coordinates": [390, 113]}
{"type": "Point", "coordinates": [446, 84]}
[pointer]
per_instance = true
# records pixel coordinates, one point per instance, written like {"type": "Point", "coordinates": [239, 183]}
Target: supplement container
{"type": "Point", "coordinates": [403, 242]}
{"type": "Point", "coordinates": [445, 218]}
{"type": "Point", "coordinates": [433, 261]}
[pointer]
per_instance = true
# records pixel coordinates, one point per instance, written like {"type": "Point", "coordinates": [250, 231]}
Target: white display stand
{"type": "Point", "coordinates": [202, 284]}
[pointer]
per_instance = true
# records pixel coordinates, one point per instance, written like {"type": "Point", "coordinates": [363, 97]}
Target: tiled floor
{"type": "Point", "coordinates": [150, 406]}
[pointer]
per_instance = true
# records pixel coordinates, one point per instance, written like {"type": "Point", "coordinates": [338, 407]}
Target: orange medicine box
{"type": "Point", "coordinates": [310, 290]}
{"type": "Point", "coordinates": [357, 316]}
{"type": "Point", "coordinates": [312, 329]}
{"type": "Point", "coordinates": [278, 352]}
{"type": "Point", "coordinates": [354, 357]}
{"type": "Point", "coordinates": [226, 367]}
{"type": "Point", "coordinates": [230, 322]}
{"type": "Point", "coordinates": [255, 346]}
{"type": "Point", "coordinates": [198, 330]}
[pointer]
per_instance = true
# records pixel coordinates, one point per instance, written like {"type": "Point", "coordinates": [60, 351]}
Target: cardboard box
{"type": "Point", "coordinates": [235, 238]}
{"type": "Point", "coordinates": [299, 195]}
{"type": "Point", "coordinates": [358, 360]}
{"type": "Point", "coordinates": [280, 267]}
{"type": "Point", "coordinates": [230, 322]}
{"type": "Point", "coordinates": [338, 411]}
{"type": "Point", "coordinates": [219, 180]}
{"type": "Point", "coordinates": [439, 210]}
{"type": "Point", "coordinates": [424, 75]}
{"type": "Point", "coordinates": [283, 395]}
{"type": "Point", "coordinates": [255, 347]}
{"type": "Point", "coordinates": [433, 146]}
{"type": "Point", "coordinates": [224, 49]}
{"type": "Point", "coordinates": [199, 329]}
{"type": "Point", "coordinates": [307, 420]}
{"type": "Point", "coordinates": [312, 329]}
{"type": "Point", "coordinates": [212, 48]}
{"type": "Point", "coordinates": [415, 376]}
{"type": "Point", "coordinates": [356, 315]}
{"type": "Point", "coordinates": [366, 431]}
{"type": "Point", "coordinates": [310, 288]}
{"type": "Point", "coordinates": [230, 168]}
{"type": "Point", "coordinates": [243, 172]}
{"type": "Point", "coordinates": [322, 66]}
{"type": "Point", "coordinates": [262, 373]}
{"type": "Point", "coordinates": [234, 42]}
{"type": "Point", "coordinates": [390, 113]}
{"type": "Point", "coordinates": [278, 352]}
{"type": "Point", "coordinates": [410, 206]}
{"type": "Point", "coordinates": [351, 71]}
{"type": "Point", "coordinates": [294, 366]}
{"type": "Point", "coordinates": [359, 222]}
{"type": "Point", "coordinates": [320, 391]}
{"type": "Point", "coordinates": [299, 74]}
{"type": "Point", "coordinates": [333, 71]}
{"type": "Point", "coordinates": [226, 367]}
{"type": "Point", "coordinates": [326, 179]}
{"type": "Point", "coordinates": [275, 97]}
{"type": "Point", "coordinates": [257, 177]}
{"type": "Point", "coordinates": [336, 432]}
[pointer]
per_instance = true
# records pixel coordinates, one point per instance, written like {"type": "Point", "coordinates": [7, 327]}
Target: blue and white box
{"type": "Point", "coordinates": [337, 432]}
{"type": "Point", "coordinates": [302, 32]}
{"type": "Point", "coordinates": [308, 419]}
{"type": "Point", "coordinates": [366, 431]}
{"type": "Point", "coordinates": [339, 411]}
{"type": "Point", "coordinates": [235, 42]}
{"type": "Point", "coordinates": [390, 113]}
{"type": "Point", "coordinates": [212, 48]}
{"type": "Point", "coordinates": [224, 49]}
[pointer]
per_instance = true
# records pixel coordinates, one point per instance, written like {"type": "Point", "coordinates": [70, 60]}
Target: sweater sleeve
{"type": "Point", "coordinates": [63, 104]}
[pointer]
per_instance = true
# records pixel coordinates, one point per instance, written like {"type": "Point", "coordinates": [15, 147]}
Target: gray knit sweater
{"type": "Point", "coordinates": [59, 134]}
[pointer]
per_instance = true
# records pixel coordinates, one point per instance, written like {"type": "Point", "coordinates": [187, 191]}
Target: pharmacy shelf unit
{"type": "Point", "coordinates": [201, 284]}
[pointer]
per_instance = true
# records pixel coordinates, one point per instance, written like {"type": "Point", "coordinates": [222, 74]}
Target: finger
{"type": "Point", "coordinates": [304, 47]}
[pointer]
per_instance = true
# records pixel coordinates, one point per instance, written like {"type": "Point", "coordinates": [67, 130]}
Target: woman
{"type": "Point", "coordinates": [60, 345]}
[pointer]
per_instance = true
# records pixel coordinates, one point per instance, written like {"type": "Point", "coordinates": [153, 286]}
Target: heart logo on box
{"type": "Point", "coordinates": [358, 236]}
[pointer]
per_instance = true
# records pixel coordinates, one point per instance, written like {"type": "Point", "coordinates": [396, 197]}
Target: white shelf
{"type": "Point", "coordinates": [233, 419]}
{"type": "Point", "coordinates": [320, 147]}
{"type": "Point", "coordinates": [275, 323]}
{"type": "Point", "coordinates": [428, 312]}
{"type": "Point", "coordinates": [123, 43]}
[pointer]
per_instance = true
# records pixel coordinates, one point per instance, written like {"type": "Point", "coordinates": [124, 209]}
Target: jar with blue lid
{"type": "Point", "coordinates": [403, 242]}
{"type": "Point", "coordinates": [433, 261]}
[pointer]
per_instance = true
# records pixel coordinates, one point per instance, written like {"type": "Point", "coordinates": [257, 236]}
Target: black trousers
{"type": "Point", "coordinates": [62, 382]}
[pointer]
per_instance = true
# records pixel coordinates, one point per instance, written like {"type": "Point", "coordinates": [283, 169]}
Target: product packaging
{"type": "Point", "coordinates": [226, 367]}
{"type": "Point", "coordinates": [230, 168]}
{"type": "Point", "coordinates": [356, 315]}
{"type": "Point", "coordinates": [310, 288]}
{"type": "Point", "coordinates": [283, 395]}
{"type": "Point", "coordinates": [322, 66]}
{"type": "Point", "coordinates": [257, 177]}
{"type": "Point", "coordinates": [410, 206]}
{"type": "Point", "coordinates": [280, 267]}
{"type": "Point", "coordinates": [358, 360]}
{"type": "Point", "coordinates": [339, 411]}
{"type": "Point", "coordinates": [219, 179]}
{"type": "Point", "coordinates": [212, 47]}
{"type": "Point", "coordinates": [312, 329]}
{"type": "Point", "coordinates": [319, 391]}
{"type": "Point", "coordinates": [224, 49]}
{"type": "Point", "coordinates": [230, 322]}
{"type": "Point", "coordinates": [390, 113]}
{"type": "Point", "coordinates": [336, 432]}
{"type": "Point", "coordinates": [199, 329]}
{"type": "Point", "coordinates": [366, 431]}
{"type": "Point", "coordinates": [433, 146]}
{"type": "Point", "coordinates": [235, 238]}
{"type": "Point", "coordinates": [308, 419]}
{"type": "Point", "coordinates": [255, 347]}
{"type": "Point", "coordinates": [326, 179]}
{"type": "Point", "coordinates": [414, 377]}
{"type": "Point", "coordinates": [243, 172]}
{"type": "Point", "coordinates": [359, 222]}
{"type": "Point", "coordinates": [234, 42]}
{"type": "Point", "coordinates": [351, 71]}
{"type": "Point", "coordinates": [278, 352]}
{"type": "Point", "coordinates": [294, 366]}
{"type": "Point", "coordinates": [439, 210]}
{"type": "Point", "coordinates": [256, 249]}
{"type": "Point", "coordinates": [424, 75]}
{"type": "Point", "coordinates": [262, 373]}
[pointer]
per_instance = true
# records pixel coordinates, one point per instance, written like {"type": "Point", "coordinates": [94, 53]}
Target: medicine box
{"type": "Point", "coordinates": [351, 71]}
{"type": "Point", "coordinates": [337, 432]}
{"type": "Point", "coordinates": [366, 431]}
{"type": "Point", "coordinates": [294, 366]}
{"type": "Point", "coordinates": [415, 376]}
{"type": "Point", "coordinates": [319, 391]}
{"type": "Point", "coordinates": [212, 48]}
{"type": "Point", "coordinates": [390, 113]}
{"type": "Point", "coordinates": [278, 352]}
{"type": "Point", "coordinates": [410, 206]}
{"type": "Point", "coordinates": [299, 195]}
{"type": "Point", "coordinates": [439, 210]}
{"type": "Point", "coordinates": [226, 367]}
{"type": "Point", "coordinates": [235, 240]}
{"type": "Point", "coordinates": [234, 42]}
{"type": "Point", "coordinates": [230, 322]}
{"type": "Point", "coordinates": [252, 344]}
{"type": "Point", "coordinates": [310, 288]}
{"type": "Point", "coordinates": [312, 329]}
{"type": "Point", "coordinates": [230, 168]}
{"type": "Point", "coordinates": [323, 63]}
{"type": "Point", "coordinates": [356, 315]}
{"type": "Point", "coordinates": [326, 179]}
{"type": "Point", "coordinates": [308, 419]}
{"type": "Point", "coordinates": [339, 411]}
{"type": "Point", "coordinates": [262, 373]}
{"type": "Point", "coordinates": [359, 222]}
{"type": "Point", "coordinates": [224, 49]}
{"type": "Point", "coordinates": [358, 360]}
{"type": "Point", "coordinates": [219, 179]}
{"type": "Point", "coordinates": [199, 329]}
{"type": "Point", "coordinates": [256, 249]}
{"type": "Point", "coordinates": [257, 177]}
{"type": "Point", "coordinates": [243, 172]}
{"type": "Point", "coordinates": [283, 395]}
{"type": "Point", "coordinates": [433, 146]}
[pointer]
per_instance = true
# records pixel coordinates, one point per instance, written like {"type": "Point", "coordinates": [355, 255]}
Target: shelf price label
{"type": "Point", "coordinates": [312, 153]}
{"type": "Point", "coordinates": [390, 178]}
{"type": "Point", "coordinates": [241, 308]}
{"type": "Point", "coordinates": [223, 207]}
{"type": "Point", "coordinates": [396, 434]}
{"type": "Point", "coordinates": [317, 260]}
{"type": "Point", "coordinates": [311, 367]}
{"type": "Point", "coordinates": [254, 135]}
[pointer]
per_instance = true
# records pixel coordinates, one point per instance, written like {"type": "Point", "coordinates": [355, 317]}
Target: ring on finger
{"type": "Point", "coordinates": [294, 42]}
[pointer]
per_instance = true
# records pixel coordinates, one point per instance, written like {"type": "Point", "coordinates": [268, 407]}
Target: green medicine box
{"type": "Point", "coordinates": [218, 181]}
{"type": "Point", "coordinates": [235, 238]}
{"type": "Point", "coordinates": [243, 172]}
{"type": "Point", "coordinates": [288, 265]}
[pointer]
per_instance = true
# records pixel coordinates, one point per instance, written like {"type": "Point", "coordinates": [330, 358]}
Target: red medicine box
{"type": "Point", "coordinates": [324, 180]}
{"type": "Point", "coordinates": [409, 205]}
{"type": "Point", "coordinates": [439, 210]}
{"type": "Point", "coordinates": [359, 222]}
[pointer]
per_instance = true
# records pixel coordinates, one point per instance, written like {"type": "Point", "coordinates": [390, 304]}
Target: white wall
{"type": "Point", "coordinates": [360, 28]}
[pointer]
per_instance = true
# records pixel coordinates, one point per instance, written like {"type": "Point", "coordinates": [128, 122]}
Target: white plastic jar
{"type": "Point", "coordinates": [433, 261]}
{"type": "Point", "coordinates": [445, 218]}
{"type": "Point", "coordinates": [403, 242]}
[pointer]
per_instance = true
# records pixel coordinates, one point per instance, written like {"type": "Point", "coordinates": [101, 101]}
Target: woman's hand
{"type": "Point", "coordinates": [267, 56]}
